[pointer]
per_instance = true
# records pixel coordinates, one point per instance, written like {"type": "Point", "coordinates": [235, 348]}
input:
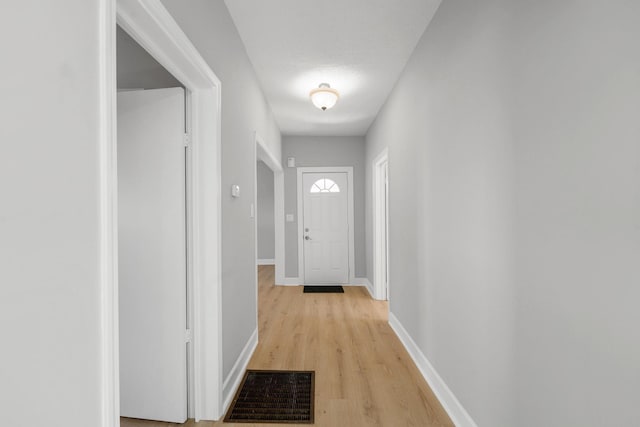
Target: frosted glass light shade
{"type": "Point", "coordinates": [324, 97]}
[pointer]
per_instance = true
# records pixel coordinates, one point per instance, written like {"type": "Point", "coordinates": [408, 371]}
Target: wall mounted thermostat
{"type": "Point", "coordinates": [291, 162]}
{"type": "Point", "coordinates": [235, 191]}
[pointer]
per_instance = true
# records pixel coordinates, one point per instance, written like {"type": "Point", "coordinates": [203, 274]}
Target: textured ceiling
{"type": "Point", "coordinates": [359, 47]}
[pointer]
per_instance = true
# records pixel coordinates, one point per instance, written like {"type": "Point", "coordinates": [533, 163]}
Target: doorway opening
{"type": "Point", "coordinates": [153, 28]}
{"type": "Point", "coordinates": [381, 225]}
{"type": "Point", "coordinates": [154, 287]}
{"type": "Point", "coordinates": [271, 169]}
{"type": "Point", "coordinates": [265, 215]}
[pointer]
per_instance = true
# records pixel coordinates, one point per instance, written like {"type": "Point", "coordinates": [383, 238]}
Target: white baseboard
{"type": "Point", "coordinates": [266, 262]}
{"type": "Point", "coordinates": [232, 381]}
{"type": "Point", "coordinates": [290, 281]}
{"type": "Point", "coordinates": [450, 403]}
{"type": "Point", "coordinates": [363, 281]}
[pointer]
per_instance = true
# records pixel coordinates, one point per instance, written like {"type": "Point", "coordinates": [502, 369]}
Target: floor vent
{"type": "Point", "coordinates": [274, 397]}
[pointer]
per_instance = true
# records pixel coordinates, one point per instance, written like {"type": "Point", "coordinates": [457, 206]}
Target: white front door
{"type": "Point", "coordinates": [152, 255]}
{"type": "Point", "coordinates": [326, 228]}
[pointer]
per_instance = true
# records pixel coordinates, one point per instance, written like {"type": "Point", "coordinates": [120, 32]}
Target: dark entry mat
{"type": "Point", "coordinates": [323, 289]}
{"type": "Point", "coordinates": [274, 397]}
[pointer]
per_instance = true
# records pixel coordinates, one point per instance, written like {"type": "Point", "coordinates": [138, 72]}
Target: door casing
{"type": "Point", "coordinates": [380, 227]}
{"type": "Point", "coordinates": [350, 216]}
{"type": "Point", "coordinates": [151, 26]}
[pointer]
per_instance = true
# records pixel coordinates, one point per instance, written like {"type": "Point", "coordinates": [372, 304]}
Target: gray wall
{"type": "Point", "coordinates": [323, 151]}
{"type": "Point", "coordinates": [450, 233]}
{"type": "Point", "coordinates": [515, 210]}
{"type": "Point", "coordinates": [50, 311]}
{"type": "Point", "coordinates": [576, 101]}
{"type": "Point", "coordinates": [244, 110]}
{"type": "Point", "coordinates": [265, 213]}
{"type": "Point", "coordinates": [136, 69]}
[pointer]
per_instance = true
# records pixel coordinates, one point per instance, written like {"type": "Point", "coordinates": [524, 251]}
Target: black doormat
{"type": "Point", "coordinates": [323, 290]}
{"type": "Point", "coordinates": [274, 397]}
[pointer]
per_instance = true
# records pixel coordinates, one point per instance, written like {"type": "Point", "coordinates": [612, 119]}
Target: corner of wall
{"type": "Point", "coordinates": [232, 381]}
{"type": "Point", "coordinates": [448, 400]}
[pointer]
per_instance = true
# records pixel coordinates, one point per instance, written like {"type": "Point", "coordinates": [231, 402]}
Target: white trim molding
{"type": "Point", "coordinates": [266, 261]}
{"type": "Point", "coordinates": [380, 225]}
{"type": "Point", "coordinates": [290, 281]}
{"type": "Point", "coordinates": [448, 400]}
{"type": "Point", "coordinates": [278, 202]}
{"type": "Point", "coordinates": [363, 281]}
{"type": "Point", "coordinates": [108, 196]}
{"type": "Point", "coordinates": [350, 214]}
{"type": "Point", "coordinates": [232, 381]}
{"type": "Point", "coordinates": [151, 25]}
{"type": "Point", "coordinates": [263, 153]}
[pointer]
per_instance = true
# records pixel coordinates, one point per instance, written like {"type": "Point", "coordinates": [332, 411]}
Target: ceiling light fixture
{"type": "Point", "coordinates": [324, 97]}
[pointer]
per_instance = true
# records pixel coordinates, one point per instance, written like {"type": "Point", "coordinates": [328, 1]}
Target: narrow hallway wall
{"type": "Point", "coordinates": [515, 209]}
{"type": "Point", "coordinates": [577, 102]}
{"type": "Point", "coordinates": [244, 111]}
{"type": "Point", "coordinates": [451, 240]}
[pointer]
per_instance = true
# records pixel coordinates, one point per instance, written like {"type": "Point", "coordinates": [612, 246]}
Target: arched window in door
{"type": "Point", "coordinates": [325, 185]}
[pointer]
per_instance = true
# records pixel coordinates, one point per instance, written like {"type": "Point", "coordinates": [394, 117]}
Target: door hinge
{"type": "Point", "coordinates": [187, 139]}
{"type": "Point", "coordinates": [187, 335]}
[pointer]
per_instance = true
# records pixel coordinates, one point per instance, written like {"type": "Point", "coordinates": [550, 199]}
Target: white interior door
{"type": "Point", "coordinates": [152, 254]}
{"type": "Point", "coordinates": [326, 228]}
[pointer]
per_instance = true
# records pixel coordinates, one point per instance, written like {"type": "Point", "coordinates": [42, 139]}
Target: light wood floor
{"type": "Point", "coordinates": [364, 376]}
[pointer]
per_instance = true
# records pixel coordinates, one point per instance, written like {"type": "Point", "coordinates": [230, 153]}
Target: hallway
{"type": "Point", "coordinates": [364, 376]}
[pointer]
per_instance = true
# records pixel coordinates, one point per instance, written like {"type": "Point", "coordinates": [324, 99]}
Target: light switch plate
{"type": "Point", "coordinates": [289, 218]}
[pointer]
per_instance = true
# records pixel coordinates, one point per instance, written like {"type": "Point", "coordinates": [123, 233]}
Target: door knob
{"type": "Point", "coordinates": [307, 238]}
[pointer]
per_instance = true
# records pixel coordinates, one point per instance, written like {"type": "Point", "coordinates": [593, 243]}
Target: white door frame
{"type": "Point", "coordinates": [151, 25]}
{"type": "Point", "coordinates": [380, 227]}
{"type": "Point", "coordinates": [350, 216]}
{"type": "Point", "coordinates": [264, 154]}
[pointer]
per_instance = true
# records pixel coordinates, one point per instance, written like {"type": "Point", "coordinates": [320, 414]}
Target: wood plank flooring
{"type": "Point", "coordinates": [364, 376]}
